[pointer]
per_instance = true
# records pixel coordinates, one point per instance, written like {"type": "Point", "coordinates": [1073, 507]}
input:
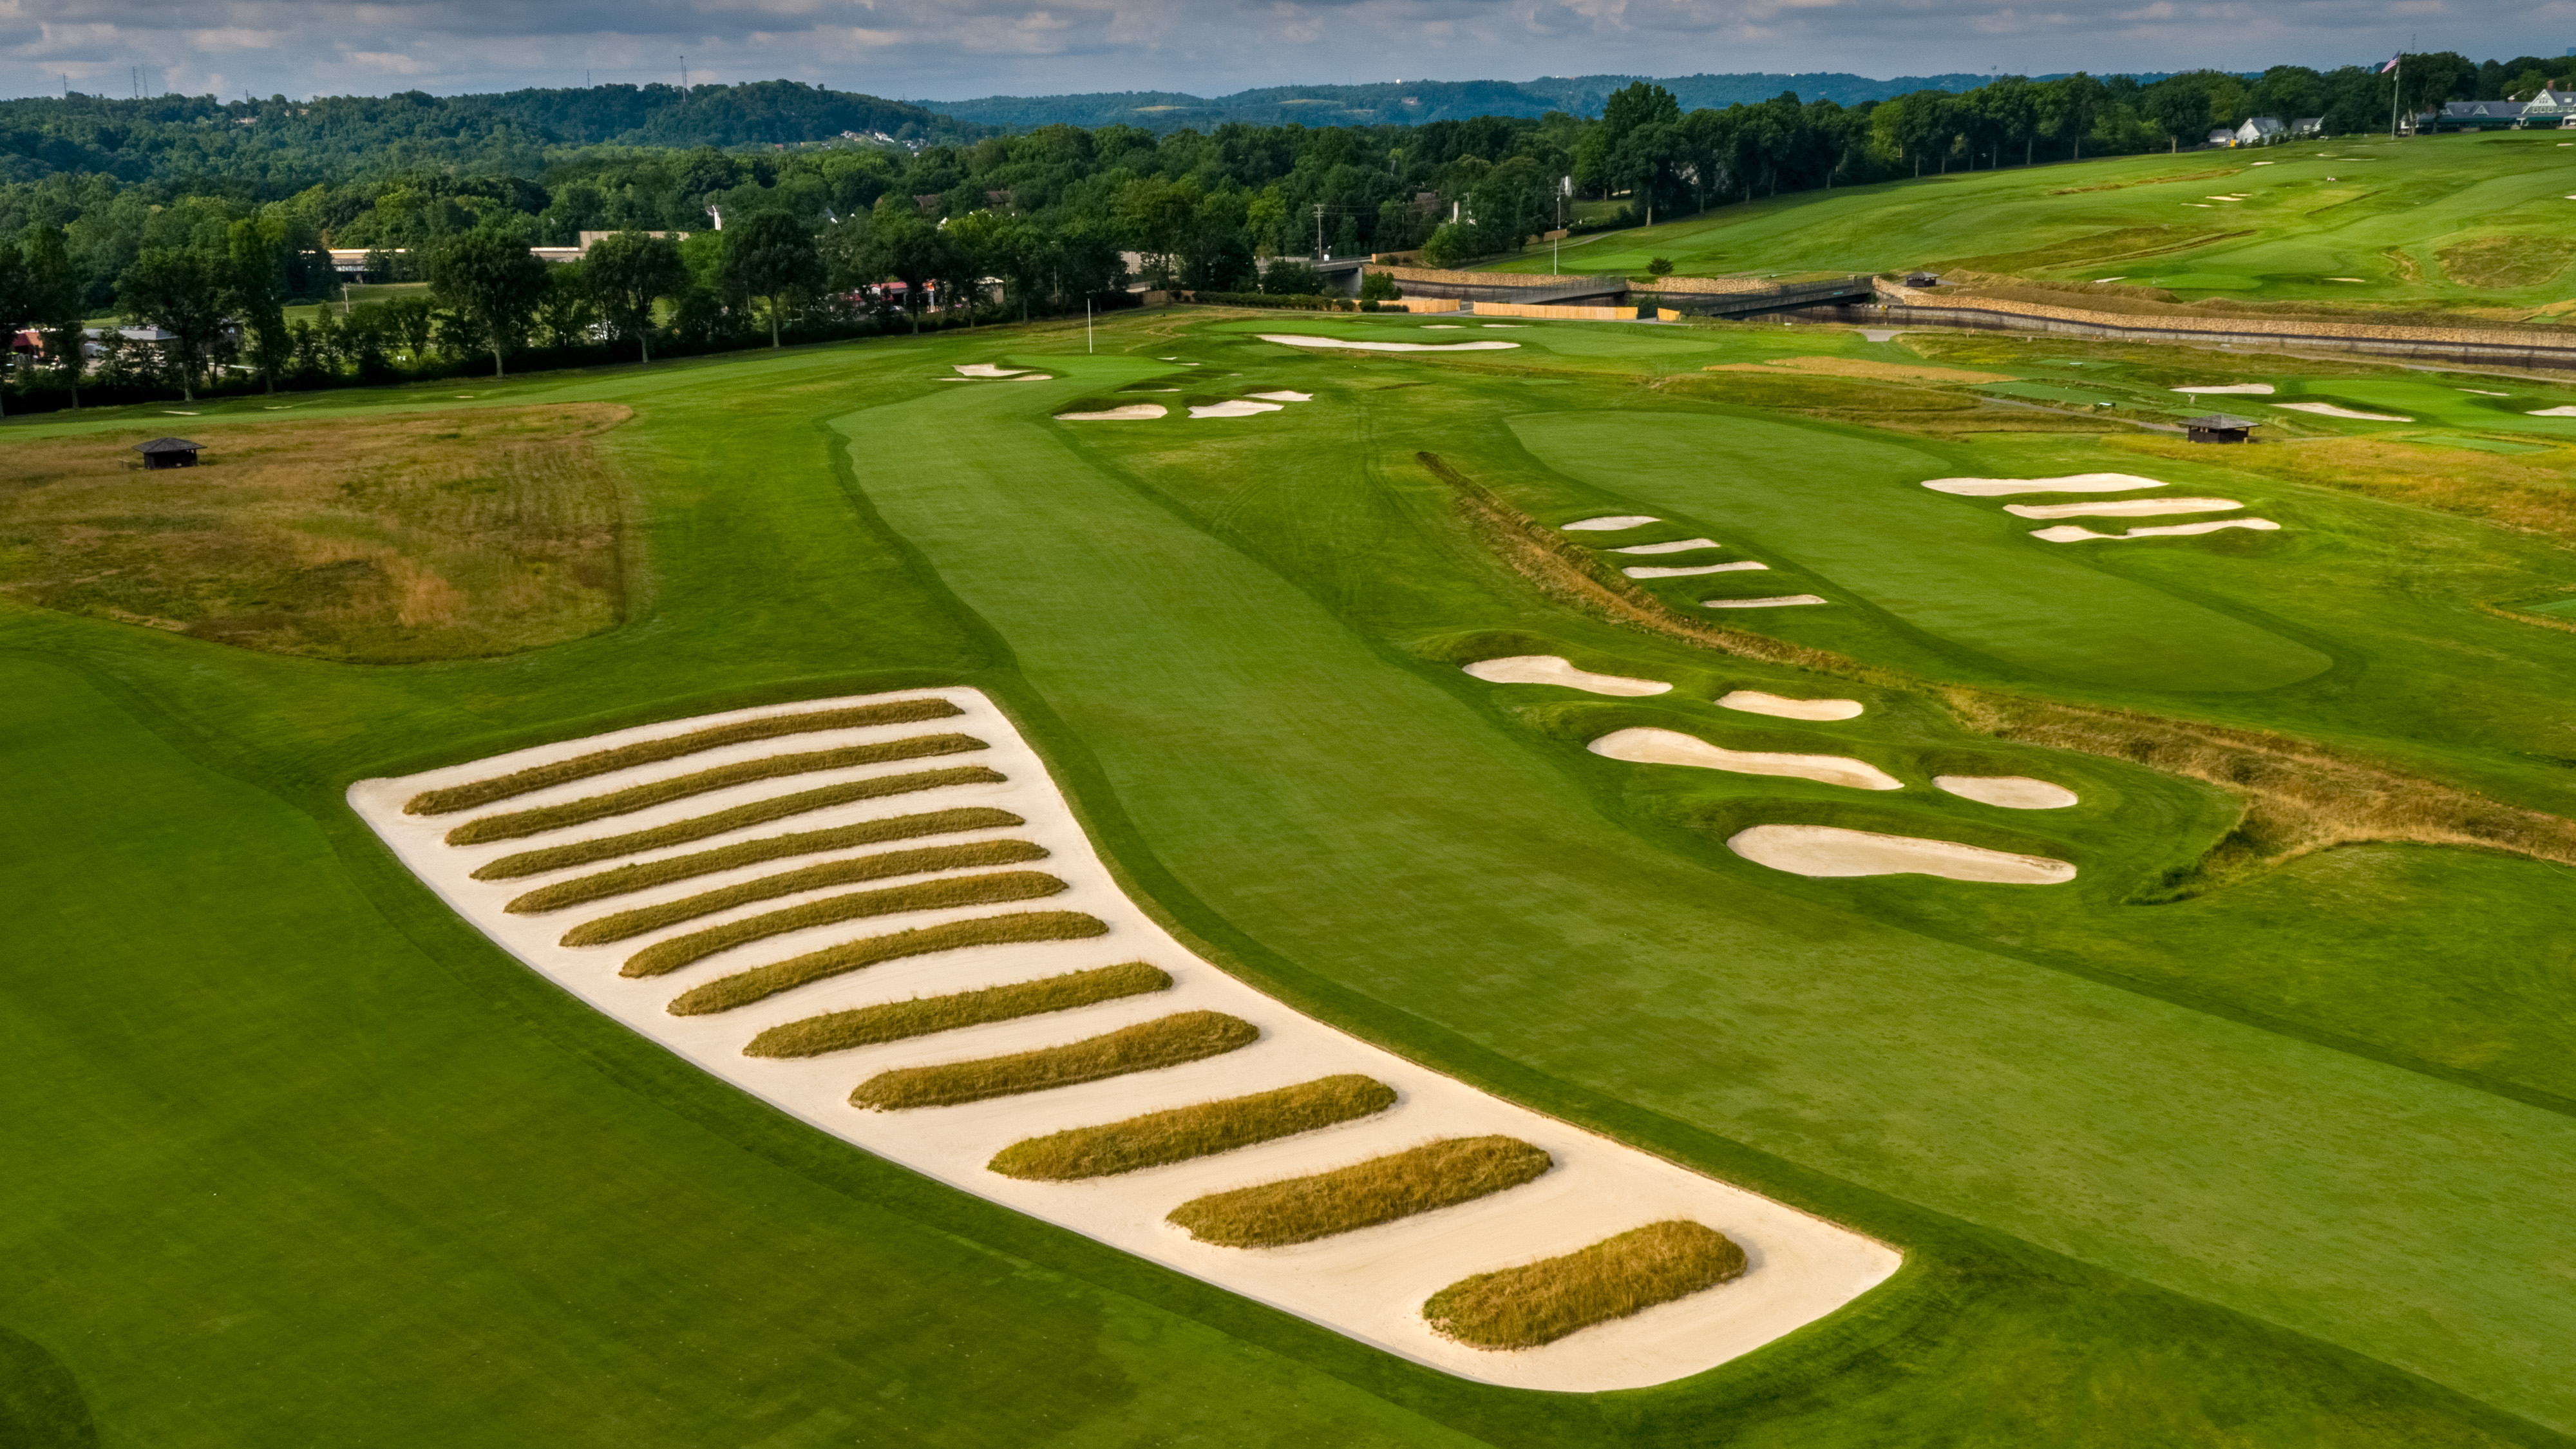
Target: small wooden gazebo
{"type": "Point", "coordinates": [2220, 428]}
{"type": "Point", "coordinates": [168, 453]}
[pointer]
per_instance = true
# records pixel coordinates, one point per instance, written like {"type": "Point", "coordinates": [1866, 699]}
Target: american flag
{"type": "Point", "coordinates": [2392, 62]}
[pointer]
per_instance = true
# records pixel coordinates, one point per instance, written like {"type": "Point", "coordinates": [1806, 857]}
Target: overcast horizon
{"type": "Point", "coordinates": [953, 50]}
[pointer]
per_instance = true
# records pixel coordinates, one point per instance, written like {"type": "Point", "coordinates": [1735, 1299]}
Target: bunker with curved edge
{"type": "Point", "coordinates": [2071, 483]}
{"type": "Point", "coordinates": [1830, 851]}
{"type": "Point", "coordinates": [2012, 792]}
{"type": "Point", "coordinates": [1554, 669]}
{"type": "Point", "coordinates": [1754, 701]}
{"type": "Point", "coordinates": [1646, 745]}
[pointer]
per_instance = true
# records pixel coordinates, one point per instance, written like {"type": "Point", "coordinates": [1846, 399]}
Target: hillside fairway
{"type": "Point", "coordinates": [2282, 1162]}
{"type": "Point", "coordinates": [2475, 221]}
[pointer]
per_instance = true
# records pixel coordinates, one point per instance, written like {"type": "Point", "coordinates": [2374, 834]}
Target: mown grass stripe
{"type": "Point", "coordinates": [642, 875]}
{"type": "Point", "coordinates": [1544, 1301]}
{"type": "Point", "coordinates": [646, 752]}
{"type": "Point", "coordinates": [923, 1015]}
{"type": "Point", "coordinates": [758, 812]}
{"type": "Point", "coordinates": [664, 957]}
{"type": "Point", "coordinates": [761, 982]}
{"type": "Point", "coordinates": [1364, 1194]}
{"type": "Point", "coordinates": [514, 824]}
{"type": "Point", "coordinates": [1201, 1130]}
{"type": "Point", "coordinates": [1166, 1041]}
{"type": "Point", "coordinates": [884, 865]}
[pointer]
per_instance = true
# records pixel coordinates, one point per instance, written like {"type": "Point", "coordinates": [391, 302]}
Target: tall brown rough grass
{"type": "Point", "coordinates": [758, 812]}
{"type": "Point", "coordinates": [643, 874]}
{"type": "Point", "coordinates": [646, 752]}
{"type": "Point", "coordinates": [664, 957]}
{"type": "Point", "coordinates": [2298, 796]}
{"type": "Point", "coordinates": [1544, 1301]}
{"type": "Point", "coordinates": [517, 824]}
{"type": "Point", "coordinates": [1364, 1194]}
{"type": "Point", "coordinates": [1200, 1130]}
{"type": "Point", "coordinates": [884, 865]}
{"type": "Point", "coordinates": [1166, 1041]}
{"type": "Point", "coordinates": [762, 982]}
{"type": "Point", "coordinates": [923, 1015]}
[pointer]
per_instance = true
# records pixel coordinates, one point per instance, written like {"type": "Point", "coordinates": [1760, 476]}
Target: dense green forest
{"type": "Point", "coordinates": [206, 220]}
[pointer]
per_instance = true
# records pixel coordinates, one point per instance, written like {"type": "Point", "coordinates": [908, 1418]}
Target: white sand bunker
{"type": "Point", "coordinates": [2122, 508]}
{"type": "Point", "coordinates": [1754, 701]}
{"type": "Point", "coordinates": [1283, 396]}
{"type": "Point", "coordinates": [987, 369]}
{"type": "Point", "coordinates": [1295, 340]}
{"type": "Point", "coordinates": [2558, 412]}
{"type": "Point", "coordinates": [1644, 746]}
{"type": "Point", "coordinates": [1776, 601]}
{"type": "Point", "coordinates": [1683, 545]}
{"type": "Point", "coordinates": [1553, 669]}
{"type": "Point", "coordinates": [1826, 850]}
{"type": "Point", "coordinates": [2012, 792]}
{"type": "Point", "coordinates": [1609, 522]}
{"type": "Point", "coordinates": [1651, 572]}
{"type": "Point", "coordinates": [1132, 413]}
{"type": "Point", "coordinates": [1234, 408]}
{"type": "Point", "coordinates": [2076, 533]}
{"type": "Point", "coordinates": [2071, 483]}
{"type": "Point", "coordinates": [2329, 410]}
{"type": "Point", "coordinates": [2258, 389]}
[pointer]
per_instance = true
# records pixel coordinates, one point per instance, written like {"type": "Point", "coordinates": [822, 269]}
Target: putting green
{"type": "Point", "coordinates": [1851, 511]}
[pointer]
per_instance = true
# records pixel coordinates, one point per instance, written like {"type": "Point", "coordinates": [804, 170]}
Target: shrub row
{"type": "Point", "coordinates": [758, 812]}
{"type": "Point", "coordinates": [760, 982]}
{"type": "Point", "coordinates": [1364, 1194]}
{"type": "Point", "coordinates": [514, 824]}
{"type": "Point", "coordinates": [1201, 1130]}
{"type": "Point", "coordinates": [642, 875]}
{"type": "Point", "coordinates": [923, 1015]}
{"type": "Point", "coordinates": [1544, 1301]}
{"type": "Point", "coordinates": [884, 865]}
{"type": "Point", "coordinates": [1166, 1041]}
{"type": "Point", "coordinates": [663, 957]}
{"type": "Point", "coordinates": [646, 752]}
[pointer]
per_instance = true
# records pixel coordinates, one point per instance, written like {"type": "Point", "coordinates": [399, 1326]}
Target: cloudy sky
{"type": "Point", "coordinates": [953, 49]}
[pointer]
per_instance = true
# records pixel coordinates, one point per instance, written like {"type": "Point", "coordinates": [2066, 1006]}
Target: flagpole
{"type": "Point", "coordinates": [2396, 84]}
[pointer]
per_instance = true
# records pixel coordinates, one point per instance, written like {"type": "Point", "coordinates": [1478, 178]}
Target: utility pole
{"type": "Point", "coordinates": [684, 75]}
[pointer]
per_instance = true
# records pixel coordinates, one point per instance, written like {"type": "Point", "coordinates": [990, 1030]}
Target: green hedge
{"type": "Point", "coordinates": [895, 1020]}
{"type": "Point", "coordinates": [761, 982]}
{"type": "Point", "coordinates": [1364, 1194]}
{"type": "Point", "coordinates": [645, 874]}
{"type": "Point", "coordinates": [663, 957]}
{"type": "Point", "coordinates": [646, 752]}
{"type": "Point", "coordinates": [1544, 1301]}
{"type": "Point", "coordinates": [758, 812]}
{"type": "Point", "coordinates": [514, 824]}
{"type": "Point", "coordinates": [1166, 1041]}
{"type": "Point", "coordinates": [1206, 1128]}
{"type": "Point", "coordinates": [884, 865]}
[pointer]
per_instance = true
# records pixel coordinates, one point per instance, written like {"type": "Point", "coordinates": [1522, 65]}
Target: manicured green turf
{"type": "Point", "coordinates": [2153, 1186]}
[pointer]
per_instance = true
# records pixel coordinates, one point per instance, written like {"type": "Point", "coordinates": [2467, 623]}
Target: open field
{"type": "Point", "coordinates": [2469, 222]}
{"type": "Point", "coordinates": [2285, 1161]}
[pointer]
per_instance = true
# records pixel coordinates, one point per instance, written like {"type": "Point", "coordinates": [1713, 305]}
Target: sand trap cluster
{"type": "Point", "coordinates": [2255, 389]}
{"type": "Point", "coordinates": [2077, 533]}
{"type": "Point", "coordinates": [1610, 523]}
{"type": "Point", "coordinates": [1295, 340]}
{"type": "Point", "coordinates": [2330, 410]}
{"type": "Point", "coordinates": [1131, 413]}
{"type": "Point", "coordinates": [1240, 407]}
{"type": "Point", "coordinates": [1369, 1284]}
{"type": "Point", "coordinates": [1647, 746]}
{"type": "Point", "coordinates": [2012, 792]}
{"type": "Point", "coordinates": [1775, 601]}
{"type": "Point", "coordinates": [2071, 483]}
{"type": "Point", "coordinates": [1754, 701]}
{"type": "Point", "coordinates": [1827, 850]}
{"type": "Point", "coordinates": [1679, 545]}
{"type": "Point", "coordinates": [1649, 571]}
{"type": "Point", "coordinates": [1553, 669]}
{"type": "Point", "coordinates": [2121, 508]}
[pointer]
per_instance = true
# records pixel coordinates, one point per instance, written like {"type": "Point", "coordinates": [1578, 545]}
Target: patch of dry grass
{"type": "Point", "coordinates": [1201, 1130]}
{"type": "Point", "coordinates": [647, 752]}
{"type": "Point", "coordinates": [762, 982]}
{"type": "Point", "coordinates": [758, 812]}
{"type": "Point", "coordinates": [1863, 369]}
{"type": "Point", "coordinates": [515, 824]}
{"type": "Point", "coordinates": [384, 540]}
{"type": "Point", "coordinates": [885, 865]}
{"type": "Point", "coordinates": [1544, 1301]}
{"type": "Point", "coordinates": [1166, 1041]}
{"type": "Point", "coordinates": [1364, 1194]}
{"type": "Point", "coordinates": [923, 1015]}
{"type": "Point", "coordinates": [2507, 262]}
{"type": "Point", "coordinates": [640, 875]}
{"type": "Point", "coordinates": [664, 957]}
